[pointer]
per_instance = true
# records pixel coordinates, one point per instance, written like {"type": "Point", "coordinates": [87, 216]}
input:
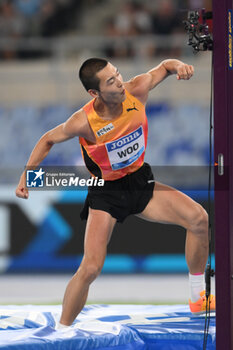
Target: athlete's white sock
{"type": "Point", "coordinates": [60, 326]}
{"type": "Point", "coordinates": [196, 286]}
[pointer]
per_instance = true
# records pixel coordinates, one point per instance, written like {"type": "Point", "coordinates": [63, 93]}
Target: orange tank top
{"type": "Point", "coordinates": [120, 144]}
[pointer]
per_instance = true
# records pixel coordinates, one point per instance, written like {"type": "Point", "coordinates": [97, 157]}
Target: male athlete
{"type": "Point", "coordinates": [112, 130]}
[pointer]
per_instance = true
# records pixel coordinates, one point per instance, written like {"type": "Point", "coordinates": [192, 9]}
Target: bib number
{"type": "Point", "coordinates": [126, 150]}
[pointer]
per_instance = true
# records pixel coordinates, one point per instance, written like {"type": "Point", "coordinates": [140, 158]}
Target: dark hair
{"type": "Point", "coordinates": [88, 70]}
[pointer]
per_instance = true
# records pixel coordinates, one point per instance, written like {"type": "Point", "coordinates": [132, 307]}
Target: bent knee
{"type": "Point", "coordinates": [90, 271]}
{"type": "Point", "coordinates": [198, 220]}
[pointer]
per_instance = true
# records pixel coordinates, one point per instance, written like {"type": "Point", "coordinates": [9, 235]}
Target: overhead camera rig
{"type": "Point", "coordinates": [198, 31]}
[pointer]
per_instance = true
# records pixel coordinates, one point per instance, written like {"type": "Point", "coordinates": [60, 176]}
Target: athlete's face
{"type": "Point", "coordinates": [111, 86]}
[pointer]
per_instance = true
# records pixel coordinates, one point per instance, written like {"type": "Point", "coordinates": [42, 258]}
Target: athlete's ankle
{"type": "Point", "coordinates": [196, 285]}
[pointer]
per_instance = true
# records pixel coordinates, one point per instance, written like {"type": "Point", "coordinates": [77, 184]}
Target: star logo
{"type": "Point", "coordinates": [38, 173]}
{"type": "Point", "coordinates": [35, 178]}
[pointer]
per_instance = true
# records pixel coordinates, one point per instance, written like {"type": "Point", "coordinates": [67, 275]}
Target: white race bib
{"type": "Point", "coordinates": [126, 150]}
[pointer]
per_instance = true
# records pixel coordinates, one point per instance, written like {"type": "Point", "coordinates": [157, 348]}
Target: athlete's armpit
{"type": "Point", "coordinates": [139, 87]}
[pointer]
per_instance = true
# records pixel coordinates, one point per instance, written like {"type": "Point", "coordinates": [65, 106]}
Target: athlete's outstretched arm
{"type": "Point", "coordinates": [72, 127]}
{"type": "Point", "coordinates": [142, 84]}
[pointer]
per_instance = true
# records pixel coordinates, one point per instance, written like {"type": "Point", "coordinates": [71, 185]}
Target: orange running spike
{"type": "Point", "coordinates": [199, 306]}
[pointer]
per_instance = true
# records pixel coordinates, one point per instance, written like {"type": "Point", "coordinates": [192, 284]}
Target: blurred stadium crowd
{"type": "Point", "coordinates": [20, 19]}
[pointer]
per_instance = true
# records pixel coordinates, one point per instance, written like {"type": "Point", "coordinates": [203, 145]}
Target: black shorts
{"type": "Point", "coordinates": [122, 197]}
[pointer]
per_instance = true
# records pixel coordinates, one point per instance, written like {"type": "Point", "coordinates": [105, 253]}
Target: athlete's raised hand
{"type": "Point", "coordinates": [184, 71]}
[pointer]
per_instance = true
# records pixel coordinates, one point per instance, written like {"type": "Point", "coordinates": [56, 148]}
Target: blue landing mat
{"type": "Point", "coordinates": [105, 327]}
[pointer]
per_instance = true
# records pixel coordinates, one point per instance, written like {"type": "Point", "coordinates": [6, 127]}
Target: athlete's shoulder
{"type": "Point", "coordinates": [77, 124]}
{"type": "Point", "coordinates": [77, 117]}
{"type": "Point", "coordinates": [88, 107]}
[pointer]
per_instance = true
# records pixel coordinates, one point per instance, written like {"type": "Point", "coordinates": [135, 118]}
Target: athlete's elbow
{"type": "Point", "coordinates": [165, 68]}
{"type": "Point", "coordinates": [47, 139]}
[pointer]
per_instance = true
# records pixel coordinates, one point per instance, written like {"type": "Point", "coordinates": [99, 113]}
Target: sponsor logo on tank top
{"type": "Point", "coordinates": [132, 108]}
{"type": "Point", "coordinates": [126, 150]}
{"type": "Point", "coordinates": [105, 129]}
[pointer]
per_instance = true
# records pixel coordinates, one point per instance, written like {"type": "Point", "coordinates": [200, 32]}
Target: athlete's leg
{"type": "Point", "coordinates": [98, 233]}
{"type": "Point", "coordinates": [171, 206]}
